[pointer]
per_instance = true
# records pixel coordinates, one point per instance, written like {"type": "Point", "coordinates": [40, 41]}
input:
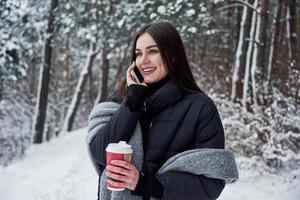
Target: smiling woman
{"type": "Point", "coordinates": [148, 59]}
{"type": "Point", "coordinates": [175, 126]}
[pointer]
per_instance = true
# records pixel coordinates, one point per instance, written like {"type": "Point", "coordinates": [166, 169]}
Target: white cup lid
{"type": "Point", "coordinates": [121, 147]}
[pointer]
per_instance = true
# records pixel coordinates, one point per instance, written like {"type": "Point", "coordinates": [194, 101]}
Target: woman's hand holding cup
{"type": "Point", "coordinates": [123, 173]}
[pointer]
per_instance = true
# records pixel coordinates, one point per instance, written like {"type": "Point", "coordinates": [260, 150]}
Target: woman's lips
{"type": "Point", "coordinates": [148, 70]}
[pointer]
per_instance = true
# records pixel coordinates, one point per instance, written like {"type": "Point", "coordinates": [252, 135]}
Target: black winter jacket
{"type": "Point", "coordinates": [173, 121]}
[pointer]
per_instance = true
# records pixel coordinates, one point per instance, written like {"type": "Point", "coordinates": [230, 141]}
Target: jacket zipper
{"type": "Point", "coordinates": [144, 107]}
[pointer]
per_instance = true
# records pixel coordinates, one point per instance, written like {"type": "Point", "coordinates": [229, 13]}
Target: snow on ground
{"type": "Point", "coordinates": [58, 170]}
{"type": "Point", "coordinates": [61, 170]}
{"type": "Point", "coordinates": [255, 186]}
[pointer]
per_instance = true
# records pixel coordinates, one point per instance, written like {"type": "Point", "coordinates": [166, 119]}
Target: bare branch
{"type": "Point", "coordinates": [238, 3]}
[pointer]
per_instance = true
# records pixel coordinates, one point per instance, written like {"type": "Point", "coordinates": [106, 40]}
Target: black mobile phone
{"type": "Point", "coordinates": [138, 76]}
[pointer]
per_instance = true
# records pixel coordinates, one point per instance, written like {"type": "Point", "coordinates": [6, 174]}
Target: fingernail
{"type": "Point", "coordinates": [113, 162]}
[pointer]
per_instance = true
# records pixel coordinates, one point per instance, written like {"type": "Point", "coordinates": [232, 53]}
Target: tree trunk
{"type": "Point", "coordinates": [66, 65]}
{"type": "Point", "coordinates": [69, 119]}
{"type": "Point", "coordinates": [261, 62]}
{"type": "Point", "coordinates": [243, 59]}
{"type": "Point", "coordinates": [42, 96]}
{"type": "Point", "coordinates": [203, 49]}
{"type": "Point", "coordinates": [254, 57]}
{"type": "Point", "coordinates": [249, 56]}
{"type": "Point", "coordinates": [118, 74]}
{"type": "Point", "coordinates": [121, 64]}
{"type": "Point", "coordinates": [230, 43]}
{"type": "Point", "coordinates": [52, 122]}
{"type": "Point", "coordinates": [293, 31]}
{"type": "Point", "coordinates": [1, 90]}
{"type": "Point", "coordinates": [281, 50]}
{"type": "Point", "coordinates": [104, 80]}
{"type": "Point", "coordinates": [274, 39]}
{"type": "Point", "coordinates": [238, 54]}
{"type": "Point", "coordinates": [31, 77]}
{"type": "Point", "coordinates": [90, 92]}
{"type": "Point", "coordinates": [294, 43]}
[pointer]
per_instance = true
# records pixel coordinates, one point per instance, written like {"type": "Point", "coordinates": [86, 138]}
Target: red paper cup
{"type": "Point", "coordinates": [117, 151]}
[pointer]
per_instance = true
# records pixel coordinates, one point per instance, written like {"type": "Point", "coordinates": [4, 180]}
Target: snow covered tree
{"type": "Point", "coordinates": [42, 96]}
{"type": "Point", "coordinates": [79, 89]}
{"type": "Point", "coordinates": [99, 28]}
{"type": "Point", "coordinates": [11, 66]}
{"type": "Point", "coordinates": [244, 53]}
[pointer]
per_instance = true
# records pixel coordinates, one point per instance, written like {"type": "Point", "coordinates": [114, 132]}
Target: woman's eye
{"type": "Point", "coordinates": [153, 51]}
{"type": "Point", "coordinates": [138, 54]}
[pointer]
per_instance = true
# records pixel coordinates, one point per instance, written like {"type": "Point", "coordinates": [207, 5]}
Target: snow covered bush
{"type": "Point", "coordinates": [282, 131]}
{"type": "Point", "coordinates": [11, 67]}
{"type": "Point", "coordinates": [15, 127]}
{"type": "Point", "coordinates": [271, 134]}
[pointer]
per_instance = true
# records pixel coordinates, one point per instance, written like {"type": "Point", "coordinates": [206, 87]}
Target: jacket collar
{"type": "Point", "coordinates": [167, 95]}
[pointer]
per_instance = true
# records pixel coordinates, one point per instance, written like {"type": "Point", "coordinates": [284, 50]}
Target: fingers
{"type": "Point", "coordinates": [122, 163]}
{"type": "Point", "coordinates": [117, 184]}
{"type": "Point", "coordinates": [129, 77]}
{"type": "Point", "coordinates": [118, 170]}
{"type": "Point", "coordinates": [124, 174]}
{"type": "Point", "coordinates": [116, 176]}
{"type": "Point", "coordinates": [130, 68]}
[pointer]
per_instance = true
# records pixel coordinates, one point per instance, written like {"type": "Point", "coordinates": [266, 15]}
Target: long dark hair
{"type": "Point", "coordinates": [172, 52]}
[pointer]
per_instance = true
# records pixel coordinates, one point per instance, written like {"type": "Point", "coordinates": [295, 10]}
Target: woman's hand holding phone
{"type": "Point", "coordinates": [133, 76]}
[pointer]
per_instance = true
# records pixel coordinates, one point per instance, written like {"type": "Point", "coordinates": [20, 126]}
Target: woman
{"type": "Point", "coordinates": [174, 115]}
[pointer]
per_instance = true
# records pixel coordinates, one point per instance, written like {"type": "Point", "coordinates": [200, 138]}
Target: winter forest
{"type": "Point", "coordinates": [59, 58]}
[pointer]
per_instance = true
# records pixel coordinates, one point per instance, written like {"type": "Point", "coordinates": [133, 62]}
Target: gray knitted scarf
{"type": "Point", "coordinates": [212, 163]}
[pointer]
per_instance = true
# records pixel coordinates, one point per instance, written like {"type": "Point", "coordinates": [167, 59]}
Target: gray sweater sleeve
{"type": "Point", "coordinates": [121, 125]}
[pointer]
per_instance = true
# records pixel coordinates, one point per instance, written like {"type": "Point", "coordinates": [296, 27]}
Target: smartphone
{"type": "Point", "coordinates": [137, 75]}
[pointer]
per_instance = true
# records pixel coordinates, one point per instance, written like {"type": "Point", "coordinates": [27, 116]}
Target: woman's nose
{"type": "Point", "coordinates": [145, 58]}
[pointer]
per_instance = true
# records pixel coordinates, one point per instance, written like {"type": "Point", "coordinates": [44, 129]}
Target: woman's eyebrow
{"type": "Point", "coordinates": [148, 47]}
{"type": "Point", "coordinates": [151, 46]}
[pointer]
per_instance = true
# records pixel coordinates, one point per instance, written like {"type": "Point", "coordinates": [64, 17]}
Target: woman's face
{"type": "Point", "coordinates": [149, 60]}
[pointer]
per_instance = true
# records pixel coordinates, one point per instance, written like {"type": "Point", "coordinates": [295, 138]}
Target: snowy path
{"type": "Point", "coordinates": [61, 170]}
{"type": "Point", "coordinates": [58, 170]}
